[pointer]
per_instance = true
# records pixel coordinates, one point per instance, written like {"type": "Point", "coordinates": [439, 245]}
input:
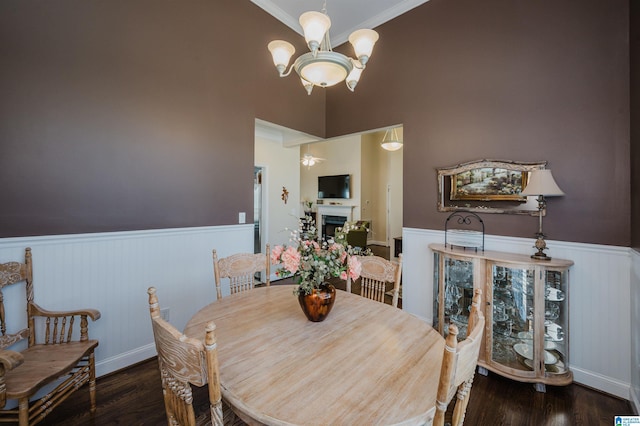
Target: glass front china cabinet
{"type": "Point", "coordinates": [526, 310]}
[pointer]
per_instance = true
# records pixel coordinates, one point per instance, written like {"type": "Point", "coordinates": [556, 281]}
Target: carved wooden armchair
{"type": "Point", "coordinates": [184, 361]}
{"type": "Point", "coordinates": [62, 355]}
{"type": "Point", "coordinates": [240, 268]}
{"type": "Point", "coordinates": [375, 274]}
{"type": "Point", "coordinates": [459, 366]}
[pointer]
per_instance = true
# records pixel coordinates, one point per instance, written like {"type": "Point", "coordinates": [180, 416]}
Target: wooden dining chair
{"type": "Point", "coordinates": [459, 366]}
{"type": "Point", "coordinates": [184, 361]}
{"type": "Point", "coordinates": [61, 354]}
{"type": "Point", "coordinates": [376, 273]}
{"type": "Point", "coordinates": [240, 269]}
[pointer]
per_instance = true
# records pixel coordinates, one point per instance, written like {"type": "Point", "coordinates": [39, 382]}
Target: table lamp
{"type": "Point", "coordinates": [542, 184]}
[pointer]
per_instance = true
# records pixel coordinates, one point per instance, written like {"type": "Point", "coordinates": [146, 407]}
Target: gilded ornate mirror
{"type": "Point", "coordinates": [487, 186]}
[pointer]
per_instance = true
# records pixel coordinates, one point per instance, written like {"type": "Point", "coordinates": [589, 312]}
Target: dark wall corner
{"type": "Point", "coordinates": [634, 53]}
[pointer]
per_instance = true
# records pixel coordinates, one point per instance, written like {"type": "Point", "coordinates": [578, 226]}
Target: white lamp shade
{"type": "Point", "coordinates": [363, 42]}
{"type": "Point", "coordinates": [353, 78]}
{"type": "Point", "coordinates": [391, 141]}
{"type": "Point", "coordinates": [281, 51]}
{"type": "Point", "coordinates": [308, 86]}
{"type": "Point", "coordinates": [314, 25]}
{"type": "Point", "coordinates": [322, 70]}
{"type": "Point", "coordinates": [541, 182]}
{"type": "Point", "coordinates": [391, 146]}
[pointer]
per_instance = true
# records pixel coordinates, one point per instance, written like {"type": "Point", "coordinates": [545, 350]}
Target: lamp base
{"type": "Point", "coordinates": [541, 245]}
{"type": "Point", "coordinates": [540, 256]}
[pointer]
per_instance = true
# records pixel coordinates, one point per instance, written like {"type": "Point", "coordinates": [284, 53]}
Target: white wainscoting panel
{"type": "Point", "coordinates": [600, 309]}
{"type": "Point", "coordinates": [112, 271]}
{"type": "Point", "coordinates": [635, 330]}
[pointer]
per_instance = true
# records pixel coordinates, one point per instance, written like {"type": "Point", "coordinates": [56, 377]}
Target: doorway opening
{"type": "Point", "coordinates": [258, 174]}
{"type": "Point", "coordinates": [377, 180]}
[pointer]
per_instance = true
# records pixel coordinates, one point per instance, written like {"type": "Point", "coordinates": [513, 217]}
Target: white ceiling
{"type": "Point", "coordinates": [346, 15]}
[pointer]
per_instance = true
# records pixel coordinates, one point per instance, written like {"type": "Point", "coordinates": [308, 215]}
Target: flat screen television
{"type": "Point", "coordinates": [337, 186]}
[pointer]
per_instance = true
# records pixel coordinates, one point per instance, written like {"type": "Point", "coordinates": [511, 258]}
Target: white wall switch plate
{"type": "Point", "coordinates": [242, 217]}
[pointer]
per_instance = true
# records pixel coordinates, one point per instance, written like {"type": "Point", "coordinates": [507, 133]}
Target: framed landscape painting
{"type": "Point", "coordinates": [488, 183]}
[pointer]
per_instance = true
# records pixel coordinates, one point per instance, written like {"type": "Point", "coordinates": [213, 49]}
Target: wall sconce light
{"type": "Point", "coordinates": [542, 184]}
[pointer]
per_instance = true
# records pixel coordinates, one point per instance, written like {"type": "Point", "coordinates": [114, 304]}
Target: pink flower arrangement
{"type": "Point", "coordinates": [313, 263]}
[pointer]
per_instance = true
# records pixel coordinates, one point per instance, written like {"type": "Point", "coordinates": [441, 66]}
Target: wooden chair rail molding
{"type": "Point", "coordinates": [63, 353]}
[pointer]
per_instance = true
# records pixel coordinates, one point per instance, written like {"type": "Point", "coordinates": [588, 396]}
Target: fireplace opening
{"type": "Point", "coordinates": [330, 223]}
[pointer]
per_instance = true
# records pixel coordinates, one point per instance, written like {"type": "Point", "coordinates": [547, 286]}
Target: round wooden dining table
{"type": "Point", "coordinates": [367, 363]}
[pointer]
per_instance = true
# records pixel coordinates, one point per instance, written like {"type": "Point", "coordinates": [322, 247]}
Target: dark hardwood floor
{"type": "Point", "coordinates": [133, 396]}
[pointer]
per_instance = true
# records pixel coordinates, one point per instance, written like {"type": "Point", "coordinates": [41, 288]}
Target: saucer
{"type": "Point", "coordinates": [548, 340]}
{"type": "Point", "coordinates": [549, 368]}
{"type": "Point", "coordinates": [526, 351]}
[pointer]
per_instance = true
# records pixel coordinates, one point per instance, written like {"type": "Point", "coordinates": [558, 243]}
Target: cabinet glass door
{"type": "Point", "coordinates": [516, 330]}
{"type": "Point", "coordinates": [556, 320]}
{"type": "Point", "coordinates": [458, 294]}
{"type": "Point", "coordinates": [513, 308]}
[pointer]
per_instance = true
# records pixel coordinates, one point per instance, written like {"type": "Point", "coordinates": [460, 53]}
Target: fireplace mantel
{"type": "Point", "coordinates": [336, 210]}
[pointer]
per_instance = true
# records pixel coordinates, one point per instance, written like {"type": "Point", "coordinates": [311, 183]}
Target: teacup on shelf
{"type": "Point", "coordinates": [554, 331]}
{"type": "Point", "coordinates": [553, 294]}
{"type": "Point", "coordinates": [552, 311]}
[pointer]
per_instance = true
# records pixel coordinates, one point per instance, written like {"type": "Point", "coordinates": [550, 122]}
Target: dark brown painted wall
{"type": "Point", "coordinates": [506, 79]}
{"type": "Point", "coordinates": [635, 122]}
{"type": "Point", "coordinates": [136, 114]}
{"type": "Point", "coordinates": [139, 114]}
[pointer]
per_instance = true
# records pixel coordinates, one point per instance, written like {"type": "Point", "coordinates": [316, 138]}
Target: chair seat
{"type": "Point", "coordinates": [44, 364]}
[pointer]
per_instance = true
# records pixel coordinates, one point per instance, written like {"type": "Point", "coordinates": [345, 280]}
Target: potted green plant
{"type": "Point", "coordinates": [307, 206]}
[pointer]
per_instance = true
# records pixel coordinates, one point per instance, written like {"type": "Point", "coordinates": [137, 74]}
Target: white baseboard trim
{"type": "Point", "coordinates": [125, 359]}
{"type": "Point", "coordinates": [602, 383]}
{"type": "Point", "coordinates": [635, 402]}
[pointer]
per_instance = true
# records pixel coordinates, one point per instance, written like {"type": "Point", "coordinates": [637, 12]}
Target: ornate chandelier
{"type": "Point", "coordinates": [322, 66]}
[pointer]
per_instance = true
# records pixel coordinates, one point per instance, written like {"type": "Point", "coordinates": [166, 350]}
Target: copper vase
{"type": "Point", "coordinates": [317, 305]}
